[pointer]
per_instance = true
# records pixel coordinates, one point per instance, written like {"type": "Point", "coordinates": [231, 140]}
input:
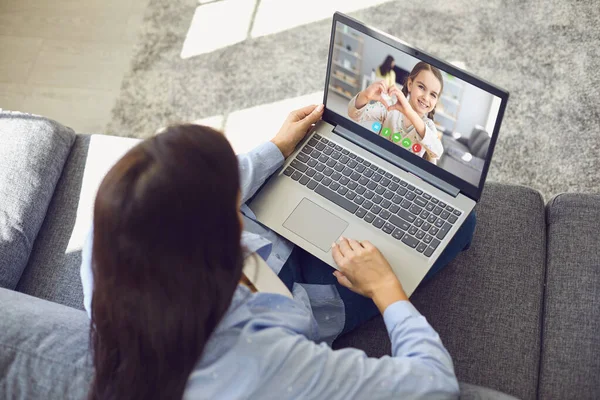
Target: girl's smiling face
{"type": "Point", "coordinates": [424, 91]}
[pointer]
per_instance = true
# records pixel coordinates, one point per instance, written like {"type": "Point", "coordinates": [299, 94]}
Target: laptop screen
{"type": "Point", "coordinates": [419, 108]}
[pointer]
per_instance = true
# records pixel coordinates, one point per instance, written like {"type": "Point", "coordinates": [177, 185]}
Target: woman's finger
{"type": "Point", "coordinates": [336, 253]}
{"type": "Point", "coordinates": [354, 244]}
{"type": "Point", "coordinates": [344, 246]}
{"type": "Point", "coordinates": [342, 279]}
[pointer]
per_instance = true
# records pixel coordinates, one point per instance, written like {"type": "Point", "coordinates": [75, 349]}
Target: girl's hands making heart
{"type": "Point", "coordinates": [372, 93]}
{"type": "Point", "coordinates": [402, 104]}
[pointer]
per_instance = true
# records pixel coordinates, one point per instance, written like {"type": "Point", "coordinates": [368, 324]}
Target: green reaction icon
{"type": "Point", "coordinates": [385, 132]}
{"type": "Point", "coordinates": [406, 142]}
{"type": "Point", "coordinates": [396, 137]}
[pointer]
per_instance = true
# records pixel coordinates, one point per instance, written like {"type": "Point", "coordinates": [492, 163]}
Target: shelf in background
{"type": "Point", "coordinates": [339, 92]}
{"type": "Point", "coordinates": [337, 64]}
{"type": "Point", "coordinates": [345, 81]}
{"type": "Point", "coordinates": [356, 37]}
{"type": "Point", "coordinates": [337, 46]}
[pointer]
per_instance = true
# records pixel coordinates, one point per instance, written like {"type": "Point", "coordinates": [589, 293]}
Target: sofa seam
{"type": "Point", "coordinates": [543, 307]}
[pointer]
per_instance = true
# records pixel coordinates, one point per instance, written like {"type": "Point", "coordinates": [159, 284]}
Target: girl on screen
{"type": "Point", "coordinates": [404, 116]}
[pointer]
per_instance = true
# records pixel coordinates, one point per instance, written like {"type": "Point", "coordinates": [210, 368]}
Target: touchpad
{"type": "Point", "coordinates": [315, 224]}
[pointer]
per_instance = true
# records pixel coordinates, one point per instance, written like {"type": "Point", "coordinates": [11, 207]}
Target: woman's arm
{"type": "Point", "coordinates": [420, 366]}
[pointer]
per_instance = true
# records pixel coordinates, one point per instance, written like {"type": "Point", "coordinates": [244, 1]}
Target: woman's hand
{"type": "Point", "coordinates": [364, 270]}
{"type": "Point", "coordinates": [372, 93]}
{"type": "Point", "coordinates": [295, 127]}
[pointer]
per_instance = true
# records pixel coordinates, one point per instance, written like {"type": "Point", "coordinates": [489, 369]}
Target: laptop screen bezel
{"type": "Point", "coordinates": [468, 189]}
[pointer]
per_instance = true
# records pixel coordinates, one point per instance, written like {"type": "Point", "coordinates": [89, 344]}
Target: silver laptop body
{"type": "Point", "coordinates": [316, 196]}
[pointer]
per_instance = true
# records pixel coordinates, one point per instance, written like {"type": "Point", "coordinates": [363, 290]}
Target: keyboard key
{"type": "Point", "coordinates": [288, 171]}
{"type": "Point", "coordinates": [334, 186]}
{"type": "Point", "coordinates": [335, 155]}
{"type": "Point", "coordinates": [337, 199]}
{"type": "Point", "coordinates": [378, 189]}
{"type": "Point", "coordinates": [420, 234]}
{"type": "Point", "coordinates": [410, 195]}
{"type": "Point", "coordinates": [412, 230]}
{"type": "Point", "coordinates": [394, 209]}
{"type": "Point", "coordinates": [331, 163]}
{"type": "Point", "coordinates": [388, 228]}
{"type": "Point", "coordinates": [457, 213]}
{"type": "Point", "coordinates": [361, 212]}
{"type": "Point", "coordinates": [352, 155]}
{"type": "Point", "coordinates": [388, 194]}
{"type": "Point", "coordinates": [320, 167]}
{"type": "Point", "coordinates": [344, 159]}
{"type": "Point", "coordinates": [312, 163]}
{"type": "Point", "coordinates": [302, 157]}
{"type": "Point", "coordinates": [405, 204]}
{"type": "Point", "coordinates": [425, 214]}
{"type": "Point", "coordinates": [427, 238]}
{"type": "Point", "coordinates": [328, 150]}
{"type": "Point", "coordinates": [439, 222]}
{"type": "Point", "coordinates": [411, 187]}
{"type": "Point", "coordinates": [430, 206]}
{"type": "Point", "coordinates": [313, 142]}
{"type": "Point", "coordinates": [351, 163]}
{"type": "Point", "coordinates": [397, 199]}
{"type": "Point", "coordinates": [434, 243]}
{"type": "Point", "coordinates": [368, 173]}
{"type": "Point", "coordinates": [388, 175]}
{"type": "Point", "coordinates": [342, 190]}
{"type": "Point", "coordinates": [415, 209]}
{"type": "Point", "coordinates": [434, 200]}
{"type": "Point", "coordinates": [359, 200]}
{"type": "Point", "coordinates": [376, 177]}
{"type": "Point", "coordinates": [326, 181]}
{"type": "Point", "coordinates": [395, 179]}
{"type": "Point", "coordinates": [310, 172]}
{"type": "Point", "coordinates": [323, 158]}
{"type": "Point", "coordinates": [429, 251]}
{"type": "Point", "coordinates": [410, 241]}
{"type": "Point", "coordinates": [304, 180]}
{"type": "Point", "coordinates": [361, 160]}
{"type": "Point", "coordinates": [378, 222]}
{"type": "Point", "coordinates": [360, 190]}
{"type": "Point", "coordinates": [369, 194]}
{"type": "Point", "coordinates": [442, 204]}
{"type": "Point", "coordinates": [449, 208]}
{"type": "Point", "coordinates": [418, 191]}
{"type": "Point", "coordinates": [367, 204]}
{"type": "Point", "coordinates": [400, 223]}
{"type": "Point", "coordinates": [318, 177]}
{"type": "Point", "coordinates": [437, 210]}
{"type": "Point", "coordinates": [296, 175]}
{"type": "Point", "coordinates": [336, 176]}
{"type": "Point", "coordinates": [431, 219]}
{"type": "Point", "coordinates": [331, 144]}
{"type": "Point", "coordinates": [433, 230]}
{"type": "Point", "coordinates": [377, 199]}
{"type": "Point", "coordinates": [307, 149]}
{"type": "Point", "coordinates": [352, 185]}
{"type": "Point", "coordinates": [317, 136]}
{"type": "Point", "coordinates": [385, 203]}
{"type": "Point", "coordinates": [452, 219]}
{"type": "Point", "coordinates": [368, 164]}
{"type": "Point", "coordinates": [375, 209]}
{"type": "Point", "coordinates": [420, 201]}
{"type": "Point", "coordinates": [397, 234]}
{"type": "Point", "coordinates": [363, 181]}
{"type": "Point", "coordinates": [403, 183]}
{"type": "Point", "coordinates": [445, 214]}
{"type": "Point", "coordinates": [393, 186]}
{"type": "Point", "coordinates": [419, 222]}
{"type": "Point", "coordinates": [298, 165]}
{"type": "Point", "coordinates": [350, 195]}
{"type": "Point", "coordinates": [371, 185]}
{"type": "Point", "coordinates": [401, 191]}
{"type": "Point", "coordinates": [312, 184]}
{"type": "Point", "coordinates": [443, 231]}
{"type": "Point", "coordinates": [324, 140]}
{"type": "Point", "coordinates": [407, 216]}
{"type": "Point", "coordinates": [355, 176]}
{"type": "Point", "coordinates": [338, 147]}
{"type": "Point", "coordinates": [360, 168]}
{"type": "Point", "coordinates": [345, 152]}
{"type": "Point", "coordinates": [327, 171]}
{"type": "Point", "coordinates": [426, 226]}
{"type": "Point", "coordinates": [385, 214]}
{"type": "Point", "coordinates": [385, 182]}
{"type": "Point", "coordinates": [421, 247]}
{"type": "Point", "coordinates": [369, 217]}
{"type": "Point", "coordinates": [427, 196]}
{"type": "Point", "coordinates": [344, 181]}
{"type": "Point", "coordinates": [339, 167]}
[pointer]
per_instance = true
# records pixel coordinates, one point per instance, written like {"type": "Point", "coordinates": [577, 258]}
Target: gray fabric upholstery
{"type": "Point", "coordinates": [33, 151]}
{"type": "Point", "coordinates": [472, 392]}
{"type": "Point", "coordinates": [53, 272]}
{"type": "Point", "coordinates": [486, 304]}
{"type": "Point", "coordinates": [570, 366]}
{"type": "Point", "coordinates": [44, 349]}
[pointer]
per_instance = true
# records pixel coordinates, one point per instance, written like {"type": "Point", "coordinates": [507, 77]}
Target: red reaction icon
{"type": "Point", "coordinates": [416, 148]}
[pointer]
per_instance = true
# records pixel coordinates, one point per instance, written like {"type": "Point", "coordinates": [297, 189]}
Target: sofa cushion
{"type": "Point", "coordinates": [53, 269]}
{"type": "Point", "coordinates": [473, 392]}
{"type": "Point", "coordinates": [44, 349]}
{"type": "Point", "coordinates": [570, 366]}
{"type": "Point", "coordinates": [486, 304]}
{"type": "Point", "coordinates": [33, 151]}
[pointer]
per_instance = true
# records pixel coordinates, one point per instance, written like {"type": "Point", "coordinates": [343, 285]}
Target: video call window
{"type": "Point", "coordinates": [418, 107]}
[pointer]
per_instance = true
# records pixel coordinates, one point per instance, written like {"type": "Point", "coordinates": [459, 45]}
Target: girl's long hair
{"type": "Point", "coordinates": [386, 67]}
{"type": "Point", "coordinates": [423, 66]}
{"type": "Point", "coordinates": [166, 260]}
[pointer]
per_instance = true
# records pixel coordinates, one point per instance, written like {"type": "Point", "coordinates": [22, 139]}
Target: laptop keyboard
{"type": "Point", "coordinates": [416, 218]}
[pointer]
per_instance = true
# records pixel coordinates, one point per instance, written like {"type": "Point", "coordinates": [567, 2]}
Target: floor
{"type": "Point", "coordinates": [65, 59]}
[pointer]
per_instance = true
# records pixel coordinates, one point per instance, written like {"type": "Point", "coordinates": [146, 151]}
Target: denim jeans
{"type": "Point", "coordinates": [303, 267]}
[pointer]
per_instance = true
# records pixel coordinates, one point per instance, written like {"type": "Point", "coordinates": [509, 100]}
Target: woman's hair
{"type": "Point", "coordinates": [386, 67]}
{"type": "Point", "coordinates": [166, 261]}
{"type": "Point", "coordinates": [423, 66]}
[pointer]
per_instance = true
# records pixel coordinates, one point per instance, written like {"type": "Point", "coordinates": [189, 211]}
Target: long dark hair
{"type": "Point", "coordinates": [386, 67]}
{"type": "Point", "coordinates": [423, 66]}
{"type": "Point", "coordinates": [166, 260]}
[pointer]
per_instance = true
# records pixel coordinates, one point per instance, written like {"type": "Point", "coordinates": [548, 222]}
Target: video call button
{"type": "Point", "coordinates": [406, 142]}
{"type": "Point", "coordinates": [416, 148]}
{"type": "Point", "coordinates": [376, 126]}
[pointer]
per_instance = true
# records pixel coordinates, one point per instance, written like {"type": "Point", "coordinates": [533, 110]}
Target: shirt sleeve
{"type": "Point", "coordinates": [370, 112]}
{"type": "Point", "coordinates": [85, 272]}
{"type": "Point", "coordinates": [431, 142]}
{"type": "Point", "coordinates": [420, 366]}
{"type": "Point", "coordinates": [256, 166]}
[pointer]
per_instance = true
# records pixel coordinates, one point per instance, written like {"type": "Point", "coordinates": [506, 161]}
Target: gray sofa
{"type": "Point", "coordinates": [519, 311]}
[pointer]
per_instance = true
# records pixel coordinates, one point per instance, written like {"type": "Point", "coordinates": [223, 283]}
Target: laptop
{"type": "Point", "coordinates": [353, 176]}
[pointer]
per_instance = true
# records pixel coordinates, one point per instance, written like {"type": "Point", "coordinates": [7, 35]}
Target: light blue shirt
{"type": "Point", "coordinates": [268, 346]}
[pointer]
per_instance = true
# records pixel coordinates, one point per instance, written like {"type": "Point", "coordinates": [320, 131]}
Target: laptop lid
{"type": "Point", "coordinates": [467, 113]}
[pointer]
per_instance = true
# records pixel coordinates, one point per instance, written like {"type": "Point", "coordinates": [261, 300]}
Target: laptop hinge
{"type": "Point", "coordinates": [397, 161]}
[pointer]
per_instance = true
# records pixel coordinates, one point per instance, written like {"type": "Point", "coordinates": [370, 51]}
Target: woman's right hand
{"type": "Point", "coordinates": [364, 270]}
{"type": "Point", "coordinates": [372, 93]}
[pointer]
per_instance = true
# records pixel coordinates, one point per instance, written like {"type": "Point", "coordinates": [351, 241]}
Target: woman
{"type": "Point", "coordinates": [386, 71]}
{"type": "Point", "coordinates": [172, 315]}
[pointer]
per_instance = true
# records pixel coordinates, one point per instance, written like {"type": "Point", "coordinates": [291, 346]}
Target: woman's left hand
{"type": "Point", "coordinates": [401, 104]}
{"type": "Point", "coordinates": [295, 127]}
